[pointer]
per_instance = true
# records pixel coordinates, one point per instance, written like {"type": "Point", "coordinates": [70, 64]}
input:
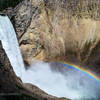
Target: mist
{"type": "Point", "coordinates": [61, 81]}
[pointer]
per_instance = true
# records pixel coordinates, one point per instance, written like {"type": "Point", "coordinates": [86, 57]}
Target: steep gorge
{"type": "Point", "coordinates": [60, 30]}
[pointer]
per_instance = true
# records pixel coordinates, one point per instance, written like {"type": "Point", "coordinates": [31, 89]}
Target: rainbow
{"type": "Point", "coordinates": [83, 70]}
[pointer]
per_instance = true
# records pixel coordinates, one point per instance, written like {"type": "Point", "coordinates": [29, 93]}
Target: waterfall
{"type": "Point", "coordinates": [10, 44]}
{"type": "Point", "coordinates": [53, 78]}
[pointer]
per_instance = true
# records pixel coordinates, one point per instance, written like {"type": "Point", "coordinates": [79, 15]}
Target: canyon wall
{"type": "Point", "coordinates": [52, 30]}
{"type": "Point", "coordinates": [58, 30]}
{"type": "Point", "coordinates": [61, 30]}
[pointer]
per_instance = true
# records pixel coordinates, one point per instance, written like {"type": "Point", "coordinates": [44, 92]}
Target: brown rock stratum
{"type": "Point", "coordinates": [60, 30]}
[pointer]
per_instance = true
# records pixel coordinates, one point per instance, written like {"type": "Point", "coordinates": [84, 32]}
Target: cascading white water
{"type": "Point", "coordinates": [10, 44]}
{"type": "Point", "coordinates": [55, 80]}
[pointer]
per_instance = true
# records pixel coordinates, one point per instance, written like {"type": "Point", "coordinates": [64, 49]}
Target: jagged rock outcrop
{"type": "Point", "coordinates": [11, 87]}
{"type": "Point", "coordinates": [59, 30]}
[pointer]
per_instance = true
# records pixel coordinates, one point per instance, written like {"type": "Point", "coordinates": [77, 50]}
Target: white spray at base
{"type": "Point", "coordinates": [53, 79]}
{"type": "Point", "coordinates": [60, 81]}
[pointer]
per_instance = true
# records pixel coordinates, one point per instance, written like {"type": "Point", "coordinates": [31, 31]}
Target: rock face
{"type": "Point", "coordinates": [11, 87]}
{"type": "Point", "coordinates": [23, 18]}
{"type": "Point", "coordinates": [59, 30]}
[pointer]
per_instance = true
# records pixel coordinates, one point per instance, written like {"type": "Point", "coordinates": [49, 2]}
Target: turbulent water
{"type": "Point", "coordinates": [10, 44]}
{"type": "Point", "coordinates": [62, 81]}
{"type": "Point", "coordinates": [53, 78]}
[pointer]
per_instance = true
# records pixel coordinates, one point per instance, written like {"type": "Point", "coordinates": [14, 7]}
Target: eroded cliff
{"type": "Point", "coordinates": [61, 30]}
{"type": "Point", "coordinates": [65, 30]}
